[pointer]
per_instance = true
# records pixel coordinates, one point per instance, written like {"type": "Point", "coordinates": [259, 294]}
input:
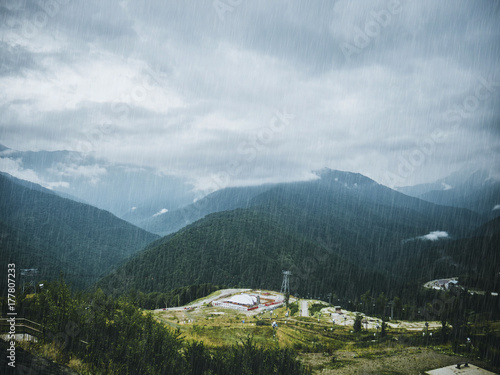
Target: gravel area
{"type": "Point", "coordinates": [411, 361]}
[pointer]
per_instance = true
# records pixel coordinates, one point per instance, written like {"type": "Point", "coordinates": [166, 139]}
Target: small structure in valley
{"type": "Point", "coordinates": [442, 284]}
{"type": "Point", "coordinates": [243, 302]}
{"type": "Point", "coordinates": [248, 301]}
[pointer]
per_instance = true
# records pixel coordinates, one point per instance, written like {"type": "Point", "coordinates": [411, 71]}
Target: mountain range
{"type": "Point", "coordinates": [163, 203]}
{"type": "Point", "coordinates": [41, 230]}
{"type": "Point", "coordinates": [341, 232]}
{"type": "Point", "coordinates": [81, 176]}
{"type": "Point", "coordinates": [476, 190]}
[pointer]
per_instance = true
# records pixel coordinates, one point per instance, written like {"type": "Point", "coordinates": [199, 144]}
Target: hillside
{"type": "Point", "coordinates": [238, 248]}
{"type": "Point", "coordinates": [342, 233]}
{"type": "Point", "coordinates": [475, 259]}
{"type": "Point", "coordinates": [39, 229]}
{"type": "Point", "coordinates": [358, 218]}
{"type": "Point", "coordinates": [221, 200]}
{"type": "Point", "coordinates": [331, 192]}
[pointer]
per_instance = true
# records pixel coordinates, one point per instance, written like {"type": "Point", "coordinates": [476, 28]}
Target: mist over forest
{"type": "Point", "coordinates": [159, 159]}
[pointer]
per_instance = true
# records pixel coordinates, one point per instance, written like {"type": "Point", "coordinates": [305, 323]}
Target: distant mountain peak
{"type": "Point", "coordinates": [479, 178]}
{"type": "Point", "coordinates": [349, 179]}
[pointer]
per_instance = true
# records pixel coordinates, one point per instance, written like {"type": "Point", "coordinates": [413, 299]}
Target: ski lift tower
{"type": "Point", "coordinates": [285, 285]}
{"type": "Point", "coordinates": [29, 276]}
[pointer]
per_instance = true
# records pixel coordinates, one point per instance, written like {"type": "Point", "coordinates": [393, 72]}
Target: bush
{"type": "Point", "coordinates": [357, 323]}
{"type": "Point", "coordinates": [316, 308]}
{"type": "Point", "coordinates": [245, 358]}
{"type": "Point", "coordinates": [294, 308]}
{"type": "Point", "coordinates": [121, 339]}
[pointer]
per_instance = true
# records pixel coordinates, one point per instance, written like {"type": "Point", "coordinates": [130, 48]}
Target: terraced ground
{"type": "Point", "coordinates": [324, 347]}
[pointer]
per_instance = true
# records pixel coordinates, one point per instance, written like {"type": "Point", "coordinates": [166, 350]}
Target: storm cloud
{"type": "Point", "coordinates": [238, 93]}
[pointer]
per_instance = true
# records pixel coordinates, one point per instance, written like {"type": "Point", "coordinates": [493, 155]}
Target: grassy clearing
{"type": "Point", "coordinates": [322, 346]}
{"type": "Point", "coordinates": [212, 295]}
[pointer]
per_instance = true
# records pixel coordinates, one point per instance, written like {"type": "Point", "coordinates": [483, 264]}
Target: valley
{"type": "Point", "coordinates": [228, 187]}
{"type": "Point", "coordinates": [344, 238]}
{"type": "Point", "coordinates": [405, 347]}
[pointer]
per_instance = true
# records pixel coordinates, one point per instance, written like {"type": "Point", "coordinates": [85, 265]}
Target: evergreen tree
{"type": "Point", "coordinates": [357, 323]}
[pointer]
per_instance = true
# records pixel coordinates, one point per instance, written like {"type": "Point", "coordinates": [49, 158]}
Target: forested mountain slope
{"type": "Point", "coordinates": [342, 233]}
{"type": "Point", "coordinates": [241, 248]}
{"type": "Point", "coordinates": [41, 230]}
{"type": "Point", "coordinates": [221, 200]}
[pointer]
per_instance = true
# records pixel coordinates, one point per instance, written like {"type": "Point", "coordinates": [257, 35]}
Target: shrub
{"type": "Point", "coordinates": [357, 323]}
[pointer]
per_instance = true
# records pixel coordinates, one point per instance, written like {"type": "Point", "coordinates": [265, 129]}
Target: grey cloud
{"type": "Point", "coordinates": [15, 60]}
{"type": "Point", "coordinates": [229, 75]}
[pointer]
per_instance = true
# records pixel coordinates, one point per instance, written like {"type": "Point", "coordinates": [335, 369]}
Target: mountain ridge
{"type": "Point", "coordinates": [476, 190]}
{"type": "Point", "coordinates": [43, 230]}
{"type": "Point", "coordinates": [334, 233]}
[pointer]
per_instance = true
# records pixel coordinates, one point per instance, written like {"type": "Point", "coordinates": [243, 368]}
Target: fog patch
{"type": "Point", "coordinates": [434, 236]}
{"type": "Point", "coordinates": [446, 186]}
{"type": "Point", "coordinates": [161, 212]}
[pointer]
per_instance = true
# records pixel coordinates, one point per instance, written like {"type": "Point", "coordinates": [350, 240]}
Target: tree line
{"type": "Point", "coordinates": [177, 297]}
{"type": "Point", "coordinates": [113, 336]}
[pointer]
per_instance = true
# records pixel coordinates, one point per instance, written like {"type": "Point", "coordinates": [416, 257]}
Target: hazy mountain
{"type": "Point", "coordinates": [245, 248]}
{"type": "Point", "coordinates": [116, 188]}
{"type": "Point", "coordinates": [39, 229]}
{"type": "Point", "coordinates": [341, 232]}
{"type": "Point", "coordinates": [337, 184]}
{"type": "Point", "coordinates": [220, 200]}
{"type": "Point", "coordinates": [445, 183]}
{"type": "Point", "coordinates": [477, 191]}
{"type": "Point", "coordinates": [362, 220]}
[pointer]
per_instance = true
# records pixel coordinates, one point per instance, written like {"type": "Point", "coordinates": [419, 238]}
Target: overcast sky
{"type": "Point", "coordinates": [236, 92]}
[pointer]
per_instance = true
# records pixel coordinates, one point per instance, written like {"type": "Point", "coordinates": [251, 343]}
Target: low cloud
{"type": "Point", "coordinates": [58, 184]}
{"type": "Point", "coordinates": [171, 86]}
{"type": "Point", "coordinates": [446, 186]}
{"type": "Point", "coordinates": [15, 168]}
{"type": "Point", "coordinates": [89, 172]}
{"type": "Point", "coordinates": [161, 212]}
{"type": "Point", "coordinates": [434, 236]}
{"type": "Point", "coordinates": [497, 207]}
